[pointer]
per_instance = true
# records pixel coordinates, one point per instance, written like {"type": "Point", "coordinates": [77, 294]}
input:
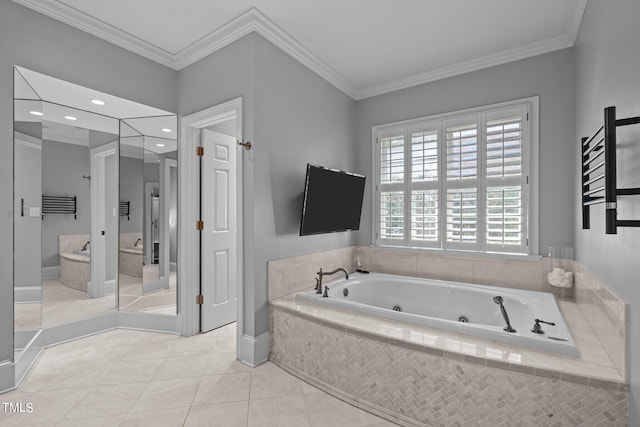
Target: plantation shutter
{"type": "Point", "coordinates": [458, 182]}
{"type": "Point", "coordinates": [391, 187]}
{"type": "Point", "coordinates": [505, 180]}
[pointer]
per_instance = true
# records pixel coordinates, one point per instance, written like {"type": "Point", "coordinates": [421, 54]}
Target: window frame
{"type": "Point", "coordinates": [529, 172]}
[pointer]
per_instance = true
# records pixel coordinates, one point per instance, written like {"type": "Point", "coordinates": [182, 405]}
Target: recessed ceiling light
{"type": "Point", "coordinates": [167, 130]}
{"type": "Point", "coordinates": [159, 145]}
{"type": "Point", "coordinates": [97, 102]}
{"type": "Point", "coordinates": [71, 118]}
{"type": "Point", "coordinates": [35, 113]}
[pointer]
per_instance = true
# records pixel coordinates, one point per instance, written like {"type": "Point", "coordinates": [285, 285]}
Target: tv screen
{"type": "Point", "coordinates": [332, 201]}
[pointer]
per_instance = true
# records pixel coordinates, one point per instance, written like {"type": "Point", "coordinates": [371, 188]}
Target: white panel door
{"type": "Point", "coordinates": [219, 195]}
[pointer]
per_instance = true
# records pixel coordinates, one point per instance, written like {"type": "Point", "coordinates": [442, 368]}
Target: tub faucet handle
{"type": "Point", "coordinates": [537, 329]}
{"type": "Point", "coordinates": [326, 290]}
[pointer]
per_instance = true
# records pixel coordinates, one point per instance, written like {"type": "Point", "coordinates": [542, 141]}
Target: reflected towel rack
{"type": "Point", "coordinates": [124, 209]}
{"type": "Point", "coordinates": [60, 205]}
{"type": "Point", "coordinates": [599, 164]}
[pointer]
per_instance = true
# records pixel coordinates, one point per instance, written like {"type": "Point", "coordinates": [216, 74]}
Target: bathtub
{"type": "Point", "coordinates": [455, 307]}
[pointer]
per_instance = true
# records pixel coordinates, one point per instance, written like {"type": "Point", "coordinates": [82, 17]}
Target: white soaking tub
{"type": "Point", "coordinates": [456, 307]}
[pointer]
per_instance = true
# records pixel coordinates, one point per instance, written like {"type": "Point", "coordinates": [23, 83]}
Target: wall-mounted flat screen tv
{"type": "Point", "coordinates": [332, 201]}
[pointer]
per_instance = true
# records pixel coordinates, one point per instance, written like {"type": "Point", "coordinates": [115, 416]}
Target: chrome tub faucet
{"type": "Point", "coordinates": [321, 274]}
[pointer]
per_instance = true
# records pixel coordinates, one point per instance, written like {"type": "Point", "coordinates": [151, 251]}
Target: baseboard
{"type": "Point", "coordinates": [162, 283]}
{"type": "Point", "coordinates": [173, 267]}
{"type": "Point", "coordinates": [27, 294]}
{"type": "Point", "coordinates": [110, 286]}
{"type": "Point", "coordinates": [148, 322]}
{"type": "Point", "coordinates": [254, 351]}
{"type": "Point", "coordinates": [7, 376]}
{"type": "Point", "coordinates": [51, 272]}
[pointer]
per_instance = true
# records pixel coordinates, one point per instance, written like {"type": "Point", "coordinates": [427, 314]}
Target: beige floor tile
{"type": "Point", "coordinates": [108, 421]}
{"type": "Point", "coordinates": [266, 366]}
{"type": "Point", "coordinates": [225, 344]}
{"type": "Point", "coordinates": [107, 400]}
{"type": "Point", "coordinates": [224, 363]}
{"type": "Point", "coordinates": [35, 382]}
{"type": "Point", "coordinates": [48, 407]}
{"type": "Point", "coordinates": [325, 410]}
{"type": "Point", "coordinates": [308, 388]}
{"type": "Point", "coordinates": [79, 375]}
{"type": "Point", "coordinates": [132, 371]}
{"type": "Point", "coordinates": [174, 417]}
{"type": "Point", "coordinates": [232, 414]}
{"type": "Point", "coordinates": [288, 411]}
{"type": "Point", "coordinates": [193, 346]}
{"type": "Point", "coordinates": [146, 349]}
{"type": "Point", "coordinates": [223, 388]}
{"type": "Point", "coordinates": [274, 383]}
{"type": "Point", "coordinates": [182, 367]}
{"type": "Point", "coordinates": [166, 394]}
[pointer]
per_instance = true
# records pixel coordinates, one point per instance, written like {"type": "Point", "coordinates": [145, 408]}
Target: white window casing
{"type": "Point", "coordinates": [459, 181]}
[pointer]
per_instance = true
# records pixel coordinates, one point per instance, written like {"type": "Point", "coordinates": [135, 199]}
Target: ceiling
{"type": "Point", "coordinates": [68, 115]}
{"type": "Point", "coordinates": [363, 47]}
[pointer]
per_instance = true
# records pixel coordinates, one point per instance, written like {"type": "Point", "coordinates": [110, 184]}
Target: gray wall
{"type": "Point", "coordinates": [608, 66]}
{"type": "Point", "coordinates": [132, 190]}
{"type": "Point", "coordinates": [62, 168]}
{"type": "Point", "coordinates": [299, 119]}
{"type": "Point", "coordinates": [549, 76]}
{"type": "Point", "coordinates": [42, 44]}
{"type": "Point", "coordinates": [227, 74]}
{"type": "Point", "coordinates": [28, 186]}
{"type": "Point", "coordinates": [293, 117]}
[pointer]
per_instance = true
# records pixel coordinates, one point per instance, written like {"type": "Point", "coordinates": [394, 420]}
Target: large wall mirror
{"type": "Point", "coordinates": [95, 204]}
{"type": "Point", "coordinates": [148, 222]}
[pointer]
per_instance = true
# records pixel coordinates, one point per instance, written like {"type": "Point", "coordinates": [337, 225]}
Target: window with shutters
{"type": "Point", "coordinates": [458, 181]}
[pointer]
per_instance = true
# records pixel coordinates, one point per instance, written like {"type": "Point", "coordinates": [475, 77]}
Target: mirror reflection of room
{"type": "Point", "coordinates": [148, 235]}
{"type": "Point", "coordinates": [70, 219]}
{"type": "Point", "coordinates": [59, 205]}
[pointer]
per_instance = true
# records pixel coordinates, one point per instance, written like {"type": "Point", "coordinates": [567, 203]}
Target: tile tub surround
{"type": "Point", "coordinates": [598, 309]}
{"type": "Point", "coordinates": [606, 314]}
{"type": "Point", "coordinates": [75, 271]}
{"type": "Point", "coordinates": [296, 274]}
{"type": "Point", "coordinates": [416, 376]}
{"type": "Point", "coordinates": [129, 257]}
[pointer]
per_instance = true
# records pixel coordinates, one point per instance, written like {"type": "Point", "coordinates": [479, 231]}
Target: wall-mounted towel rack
{"type": "Point", "coordinates": [60, 205]}
{"type": "Point", "coordinates": [124, 209]}
{"type": "Point", "coordinates": [599, 183]}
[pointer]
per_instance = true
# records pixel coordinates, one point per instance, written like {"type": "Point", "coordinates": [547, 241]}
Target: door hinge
{"type": "Point", "coordinates": [200, 299]}
{"type": "Point", "coordinates": [199, 151]}
{"type": "Point", "coordinates": [527, 242]}
{"type": "Point", "coordinates": [199, 225]}
{"type": "Point", "coordinates": [527, 116]}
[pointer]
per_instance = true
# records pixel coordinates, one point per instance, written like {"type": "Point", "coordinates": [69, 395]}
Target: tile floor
{"type": "Point", "coordinates": [136, 378]}
{"type": "Point", "coordinates": [62, 304]}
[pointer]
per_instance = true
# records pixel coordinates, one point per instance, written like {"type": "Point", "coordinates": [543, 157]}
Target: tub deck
{"type": "Point", "coordinates": [593, 367]}
{"type": "Point", "coordinates": [417, 376]}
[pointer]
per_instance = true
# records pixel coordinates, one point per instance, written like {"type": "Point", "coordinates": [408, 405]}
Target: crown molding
{"type": "Point", "coordinates": [252, 20]}
{"type": "Point", "coordinates": [73, 17]}
{"type": "Point", "coordinates": [503, 57]}
{"type": "Point", "coordinates": [575, 21]}
{"type": "Point", "coordinates": [28, 141]}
